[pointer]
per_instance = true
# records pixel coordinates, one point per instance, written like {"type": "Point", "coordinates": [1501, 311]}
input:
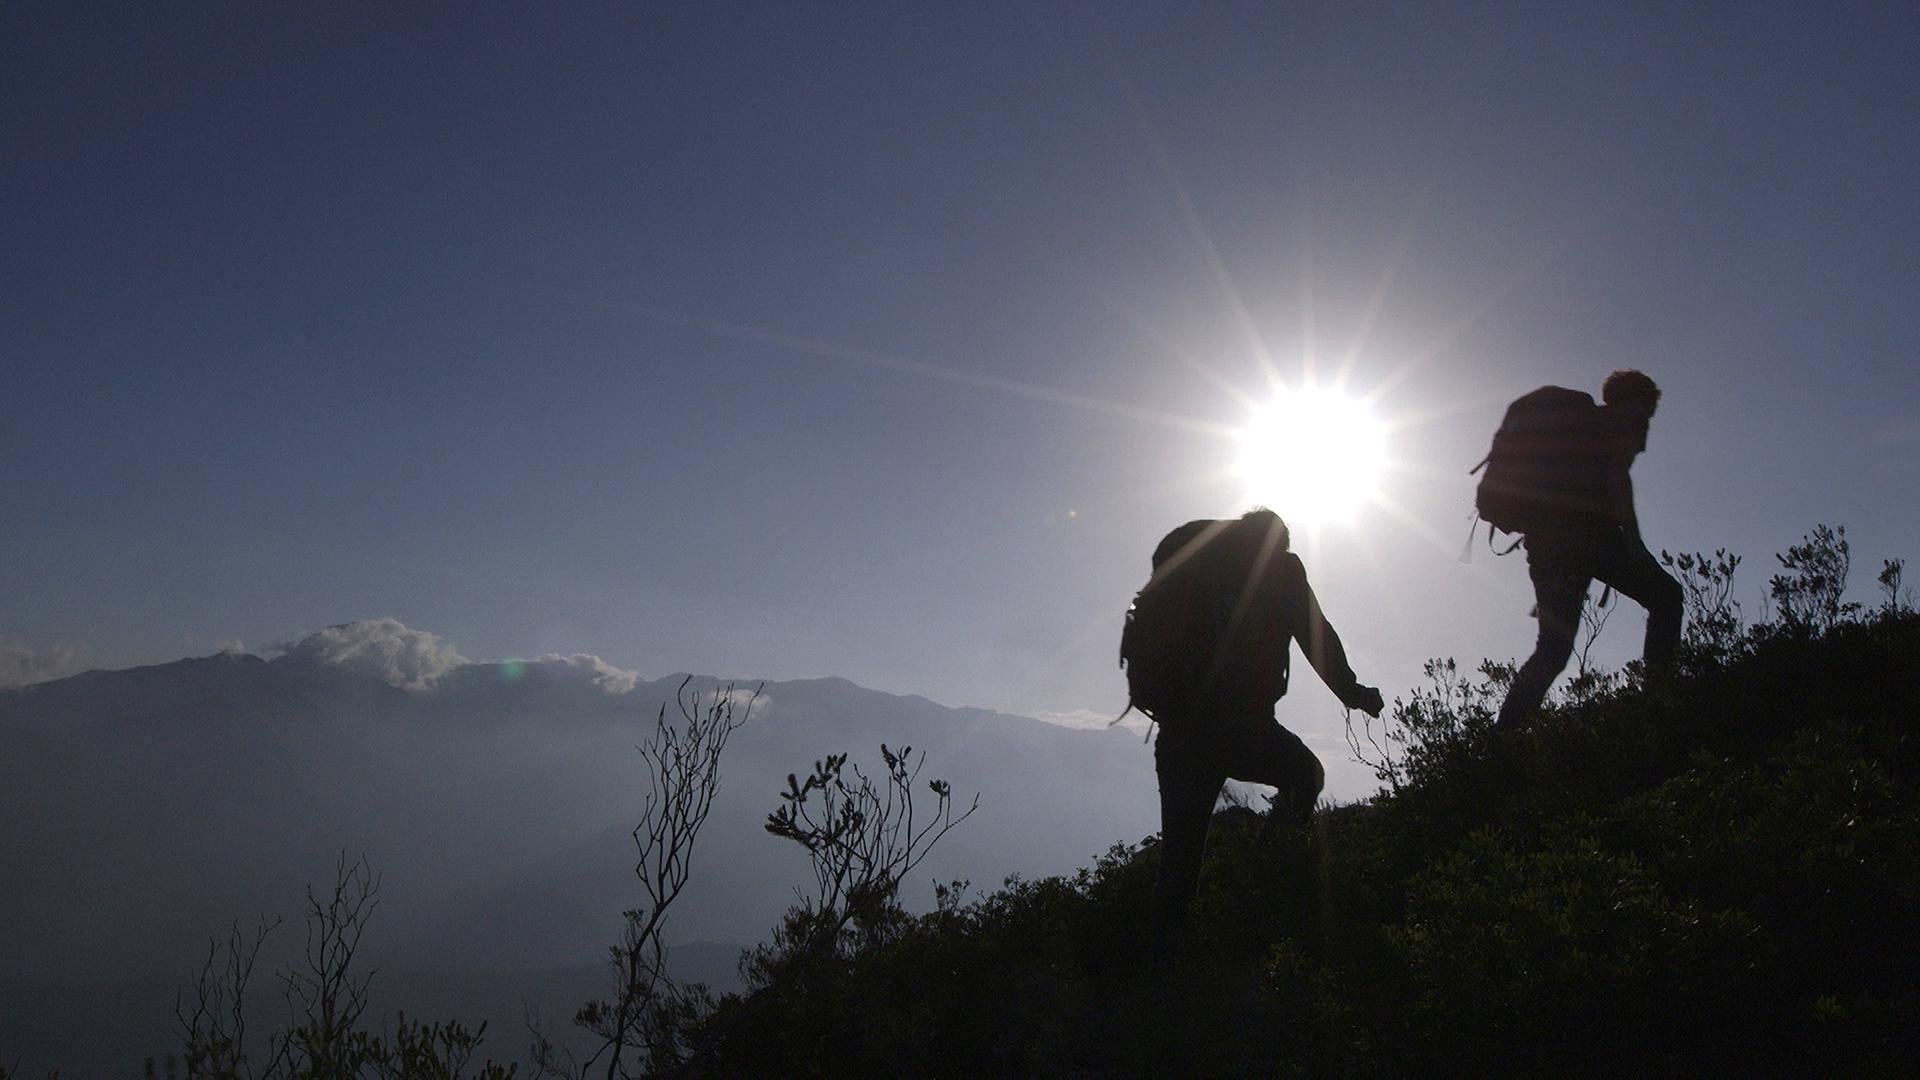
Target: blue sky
{"type": "Point", "coordinates": [790, 340]}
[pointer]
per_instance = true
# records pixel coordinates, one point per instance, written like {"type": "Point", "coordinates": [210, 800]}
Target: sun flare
{"type": "Point", "coordinates": [1313, 455]}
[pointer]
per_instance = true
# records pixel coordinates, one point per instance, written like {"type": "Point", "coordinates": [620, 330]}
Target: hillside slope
{"type": "Point", "coordinates": [1719, 872]}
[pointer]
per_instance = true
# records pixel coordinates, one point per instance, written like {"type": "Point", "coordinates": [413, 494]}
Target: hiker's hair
{"type": "Point", "coordinates": [1269, 522]}
{"type": "Point", "coordinates": [1630, 387]}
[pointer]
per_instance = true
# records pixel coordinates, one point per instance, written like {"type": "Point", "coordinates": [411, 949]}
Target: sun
{"type": "Point", "coordinates": [1313, 455]}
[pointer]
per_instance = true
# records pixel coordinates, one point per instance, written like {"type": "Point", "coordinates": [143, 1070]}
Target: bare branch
{"type": "Point", "coordinates": [683, 775]}
{"type": "Point", "coordinates": [214, 1029]}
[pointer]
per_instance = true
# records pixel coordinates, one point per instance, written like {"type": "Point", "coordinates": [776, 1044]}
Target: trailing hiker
{"type": "Point", "coordinates": [1558, 476]}
{"type": "Point", "coordinates": [1206, 650]}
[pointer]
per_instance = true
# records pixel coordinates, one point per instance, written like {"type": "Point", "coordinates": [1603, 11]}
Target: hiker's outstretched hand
{"type": "Point", "coordinates": [1367, 699]}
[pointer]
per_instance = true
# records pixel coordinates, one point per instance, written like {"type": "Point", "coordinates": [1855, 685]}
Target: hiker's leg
{"type": "Point", "coordinates": [1189, 786]}
{"type": "Point", "coordinates": [1634, 573]}
{"type": "Point", "coordinates": [1273, 755]}
{"type": "Point", "coordinates": [1559, 590]}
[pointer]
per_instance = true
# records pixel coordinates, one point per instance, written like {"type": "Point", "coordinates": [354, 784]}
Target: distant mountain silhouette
{"type": "Point", "coordinates": [149, 806]}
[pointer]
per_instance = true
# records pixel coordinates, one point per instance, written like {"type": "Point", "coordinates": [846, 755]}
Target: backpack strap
{"type": "Point", "coordinates": [1123, 715]}
{"type": "Point", "coordinates": [1466, 550]}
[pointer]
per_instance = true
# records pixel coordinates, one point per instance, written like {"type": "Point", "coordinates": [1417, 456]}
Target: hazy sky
{"type": "Point", "coordinates": [800, 339]}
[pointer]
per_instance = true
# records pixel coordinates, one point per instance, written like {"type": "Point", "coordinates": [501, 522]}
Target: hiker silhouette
{"type": "Point", "coordinates": [1206, 651]}
{"type": "Point", "coordinates": [1558, 475]}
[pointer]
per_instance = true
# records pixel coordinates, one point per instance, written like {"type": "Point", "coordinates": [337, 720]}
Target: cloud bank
{"type": "Point", "coordinates": [20, 665]}
{"type": "Point", "coordinates": [1084, 719]}
{"type": "Point", "coordinates": [394, 652]}
{"type": "Point", "coordinates": [595, 670]}
{"type": "Point", "coordinates": [384, 648]}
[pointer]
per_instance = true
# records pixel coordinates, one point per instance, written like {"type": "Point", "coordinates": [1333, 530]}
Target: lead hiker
{"type": "Point", "coordinates": [1206, 650]}
{"type": "Point", "coordinates": [1558, 476]}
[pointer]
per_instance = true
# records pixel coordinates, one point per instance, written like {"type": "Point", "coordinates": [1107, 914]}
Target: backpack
{"type": "Point", "coordinates": [1549, 464]}
{"type": "Point", "coordinates": [1187, 629]}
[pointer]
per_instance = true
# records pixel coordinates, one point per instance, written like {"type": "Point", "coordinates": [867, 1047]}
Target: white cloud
{"type": "Point", "coordinates": [745, 701]}
{"type": "Point", "coordinates": [1081, 718]}
{"type": "Point", "coordinates": [602, 674]}
{"type": "Point", "coordinates": [740, 697]}
{"type": "Point", "coordinates": [384, 648]}
{"type": "Point", "coordinates": [20, 665]}
{"type": "Point", "coordinates": [417, 659]}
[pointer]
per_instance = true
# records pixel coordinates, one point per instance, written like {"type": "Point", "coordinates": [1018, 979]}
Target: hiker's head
{"type": "Point", "coordinates": [1633, 394]}
{"type": "Point", "coordinates": [1631, 390]}
{"type": "Point", "coordinates": [1266, 526]}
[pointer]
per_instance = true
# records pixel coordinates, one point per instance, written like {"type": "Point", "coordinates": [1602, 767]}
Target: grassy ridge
{"type": "Point", "coordinates": [1719, 871]}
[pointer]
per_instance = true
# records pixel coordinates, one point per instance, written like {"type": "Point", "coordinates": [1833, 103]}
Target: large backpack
{"type": "Point", "coordinates": [1549, 464]}
{"type": "Point", "coordinates": [1193, 629]}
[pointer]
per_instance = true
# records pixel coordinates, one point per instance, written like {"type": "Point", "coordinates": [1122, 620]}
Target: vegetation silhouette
{"type": "Point", "coordinates": [326, 995]}
{"type": "Point", "coordinates": [862, 837]}
{"type": "Point", "coordinates": [1206, 650]}
{"type": "Point", "coordinates": [1559, 475]}
{"type": "Point", "coordinates": [1704, 872]}
{"type": "Point", "coordinates": [1711, 870]}
{"type": "Point", "coordinates": [639, 1027]}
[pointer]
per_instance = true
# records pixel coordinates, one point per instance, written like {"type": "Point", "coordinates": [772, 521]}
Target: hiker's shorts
{"type": "Point", "coordinates": [1194, 760]}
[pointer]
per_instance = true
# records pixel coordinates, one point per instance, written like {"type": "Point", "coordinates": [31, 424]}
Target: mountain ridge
{"type": "Point", "coordinates": [150, 806]}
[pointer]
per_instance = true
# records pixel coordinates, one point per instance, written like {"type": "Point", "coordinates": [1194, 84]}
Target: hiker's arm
{"type": "Point", "coordinates": [1621, 451]}
{"type": "Point", "coordinates": [1328, 656]}
{"type": "Point", "coordinates": [1622, 509]}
